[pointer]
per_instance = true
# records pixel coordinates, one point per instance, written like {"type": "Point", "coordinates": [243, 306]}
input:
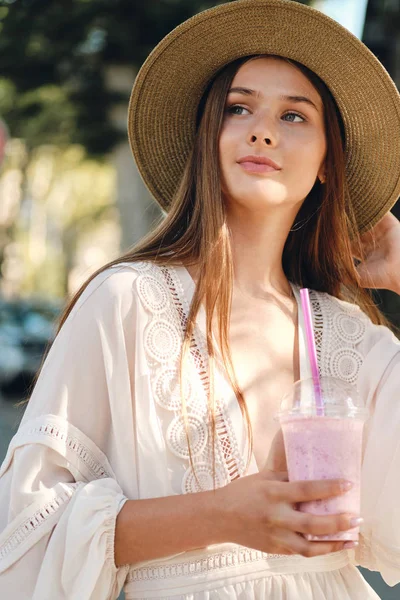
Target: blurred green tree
{"type": "Point", "coordinates": [54, 57]}
{"type": "Point", "coordinates": [67, 69]}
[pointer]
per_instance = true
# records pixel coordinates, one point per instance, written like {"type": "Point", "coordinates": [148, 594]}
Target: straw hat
{"type": "Point", "coordinates": [168, 88]}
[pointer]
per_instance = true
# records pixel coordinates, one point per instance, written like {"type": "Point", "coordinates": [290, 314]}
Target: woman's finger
{"type": "Point", "coordinates": [306, 523]}
{"type": "Point", "coordinates": [305, 491]}
{"type": "Point", "coordinates": [295, 543]}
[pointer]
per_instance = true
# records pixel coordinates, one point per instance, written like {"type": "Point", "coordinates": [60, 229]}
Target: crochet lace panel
{"type": "Point", "coordinates": [338, 328]}
{"type": "Point", "coordinates": [161, 293]}
{"type": "Point", "coordinates": [226, 444]}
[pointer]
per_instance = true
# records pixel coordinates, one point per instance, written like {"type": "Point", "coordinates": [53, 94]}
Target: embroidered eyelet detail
{"type": "Point", "coordinates": [162, 340]}
{"type": "Point", "coordinates": [167, 390]}
{"type": "Point", "coordinates": [338, 327]}
{"type": "Point", "coordinates": [349, 327]}
{"type": "Point", "coordinates": [152, 293]}
{"type": "Point", "coordinates": [345, 364]}
{"type": "Point", "coordinates": [176, 436]}
{"type": "Point", "coordinates": [35, 520]}
{"type": "Point", "coordinates": [229, 462]}
{"type": "Point", "coordinates": [163, 337]}
{"type": "Point", "coordinates": [203, 565]}
{"type": "Point", "coordinates": [72, 443]}
{"type": "Point", "coordinates": [204, 474]}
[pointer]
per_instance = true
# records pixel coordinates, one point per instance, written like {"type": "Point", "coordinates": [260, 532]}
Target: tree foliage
{"type": "Point", "coordinates": [53, 58]}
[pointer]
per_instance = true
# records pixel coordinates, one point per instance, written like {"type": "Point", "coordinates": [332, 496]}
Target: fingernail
{"type": "Point", "coordinates": [349, 545]}
{"type": "Point", "coordinates": [356, 521]}
{"type": "Point", "coordinates": [346, 485]}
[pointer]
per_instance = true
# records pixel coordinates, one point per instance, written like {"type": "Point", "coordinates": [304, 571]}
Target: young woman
{"type": "Point", "coordinates": [148, 457]}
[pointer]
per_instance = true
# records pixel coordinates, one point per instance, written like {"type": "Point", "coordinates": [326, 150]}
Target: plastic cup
{"type": "Point", "coordinates": [327, 446]}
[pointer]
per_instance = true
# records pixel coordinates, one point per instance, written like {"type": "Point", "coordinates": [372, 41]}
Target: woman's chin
{"type": "Point", "coordinates": [259, 193]}
{"type": "Point", "coordinates": [262, 194]}
{"type": "Point", "coordinates": [262, 201]}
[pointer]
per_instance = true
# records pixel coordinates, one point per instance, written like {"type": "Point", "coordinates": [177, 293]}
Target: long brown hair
{"type": "Point", "coordinates": [317, 253]}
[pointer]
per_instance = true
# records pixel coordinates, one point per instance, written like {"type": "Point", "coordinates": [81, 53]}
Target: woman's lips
{"type": "Point", "coordinates": [252, 167]}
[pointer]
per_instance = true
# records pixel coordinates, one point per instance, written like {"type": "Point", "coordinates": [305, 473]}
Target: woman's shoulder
{"type": "Point", "coordinates": [352, 325]}
{"type": "Point", "coordinates": [123, 273]}
{"type": "Point", "coordinates": [116, 284]}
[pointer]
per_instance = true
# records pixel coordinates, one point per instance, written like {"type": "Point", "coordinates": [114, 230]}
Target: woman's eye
{"type": "Point", "coordinates": [235, 109]}
{"type": "Point", "coordinates": [292, 114]}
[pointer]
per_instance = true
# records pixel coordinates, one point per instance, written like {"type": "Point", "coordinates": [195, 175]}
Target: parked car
{"type": "Point", "coordinates": [27, 330]}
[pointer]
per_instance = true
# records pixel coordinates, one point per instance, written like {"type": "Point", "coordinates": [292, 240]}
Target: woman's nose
{"type": "Point", "coordinates": [264, 133]}
{"type": "Point", "coordinates": [266, 140]}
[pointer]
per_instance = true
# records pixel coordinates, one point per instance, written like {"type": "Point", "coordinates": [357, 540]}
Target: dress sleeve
{"type": "Point", "coordinates": [59, 495]}
{"type": "Point", "coordinates": [379, 383]}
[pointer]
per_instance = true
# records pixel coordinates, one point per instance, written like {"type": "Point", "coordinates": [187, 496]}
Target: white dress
{"type": "Point", "coordinates": [103, 425]}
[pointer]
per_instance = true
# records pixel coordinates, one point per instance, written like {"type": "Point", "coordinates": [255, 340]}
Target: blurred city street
{"type": "Point", "coordinates": [10, 417]}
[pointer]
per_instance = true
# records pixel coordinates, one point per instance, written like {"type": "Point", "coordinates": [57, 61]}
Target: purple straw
{"type": "Point", "coordinates": [312, 352]}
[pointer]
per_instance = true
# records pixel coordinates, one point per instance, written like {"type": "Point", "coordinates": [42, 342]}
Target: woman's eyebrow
{"type": "Point", "coordinates": [250, 92]}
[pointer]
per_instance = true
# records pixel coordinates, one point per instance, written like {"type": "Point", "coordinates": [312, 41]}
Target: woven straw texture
{"type": "Point", "coordinates": [168, 88]}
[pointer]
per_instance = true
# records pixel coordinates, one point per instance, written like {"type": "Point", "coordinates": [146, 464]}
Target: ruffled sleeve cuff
{"type": "Point", "coordinates": [81, 547]}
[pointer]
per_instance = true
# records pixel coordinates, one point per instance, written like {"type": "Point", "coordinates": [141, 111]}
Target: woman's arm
{"type": "Point", "coordinates": [256, 511]}
{"type": "Point", "coordinates": [380, 260]}
{"type": "Point", "coordinates": [158, 527]}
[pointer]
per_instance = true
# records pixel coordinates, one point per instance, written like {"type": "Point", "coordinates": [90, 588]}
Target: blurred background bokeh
{"type": "Point", "coordinates": [71, 198]}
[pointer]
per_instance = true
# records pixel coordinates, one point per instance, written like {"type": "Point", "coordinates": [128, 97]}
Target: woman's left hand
{"type": "Point", "coordinates": [380, 260]}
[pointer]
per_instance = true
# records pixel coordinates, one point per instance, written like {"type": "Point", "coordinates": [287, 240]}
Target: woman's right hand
{"type": "Point", "coordinates": [259, 511]}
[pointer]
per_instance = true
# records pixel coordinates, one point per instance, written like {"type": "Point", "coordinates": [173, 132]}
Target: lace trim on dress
{"type": "Point", "coordinates": [338, 327]}
{"type": "Point", "coordinates": [226, 439]}
{"type": "Point", "coordinates": [78, 447]}
{"type": "Point", "coordinates": [34, 521]}
{"type": "Point", "coordinates": [160, 291]}
{"type": "Point", "coordinates": [210, 563]}
{"type": "Point", "coordinates": [81, 453]}
{"type": "Point", "coordinates": [214, 561]}
{"type": "Point", "coordinates": [67, 440]}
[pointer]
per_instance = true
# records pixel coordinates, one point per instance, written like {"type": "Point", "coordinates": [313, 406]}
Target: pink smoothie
{"type": "Point", "coordinates": [319, 447]}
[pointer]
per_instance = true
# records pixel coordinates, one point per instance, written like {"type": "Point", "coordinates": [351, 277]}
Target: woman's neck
{"type": "Point", "coordinates": [257, 249]}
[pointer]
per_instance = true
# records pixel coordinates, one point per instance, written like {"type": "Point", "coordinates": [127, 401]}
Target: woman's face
{"type": "Point", "coordinates": [272, 111]}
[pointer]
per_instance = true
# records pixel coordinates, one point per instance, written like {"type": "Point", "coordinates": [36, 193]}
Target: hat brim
{"type": "Point", "coordinates": [168, 88]}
